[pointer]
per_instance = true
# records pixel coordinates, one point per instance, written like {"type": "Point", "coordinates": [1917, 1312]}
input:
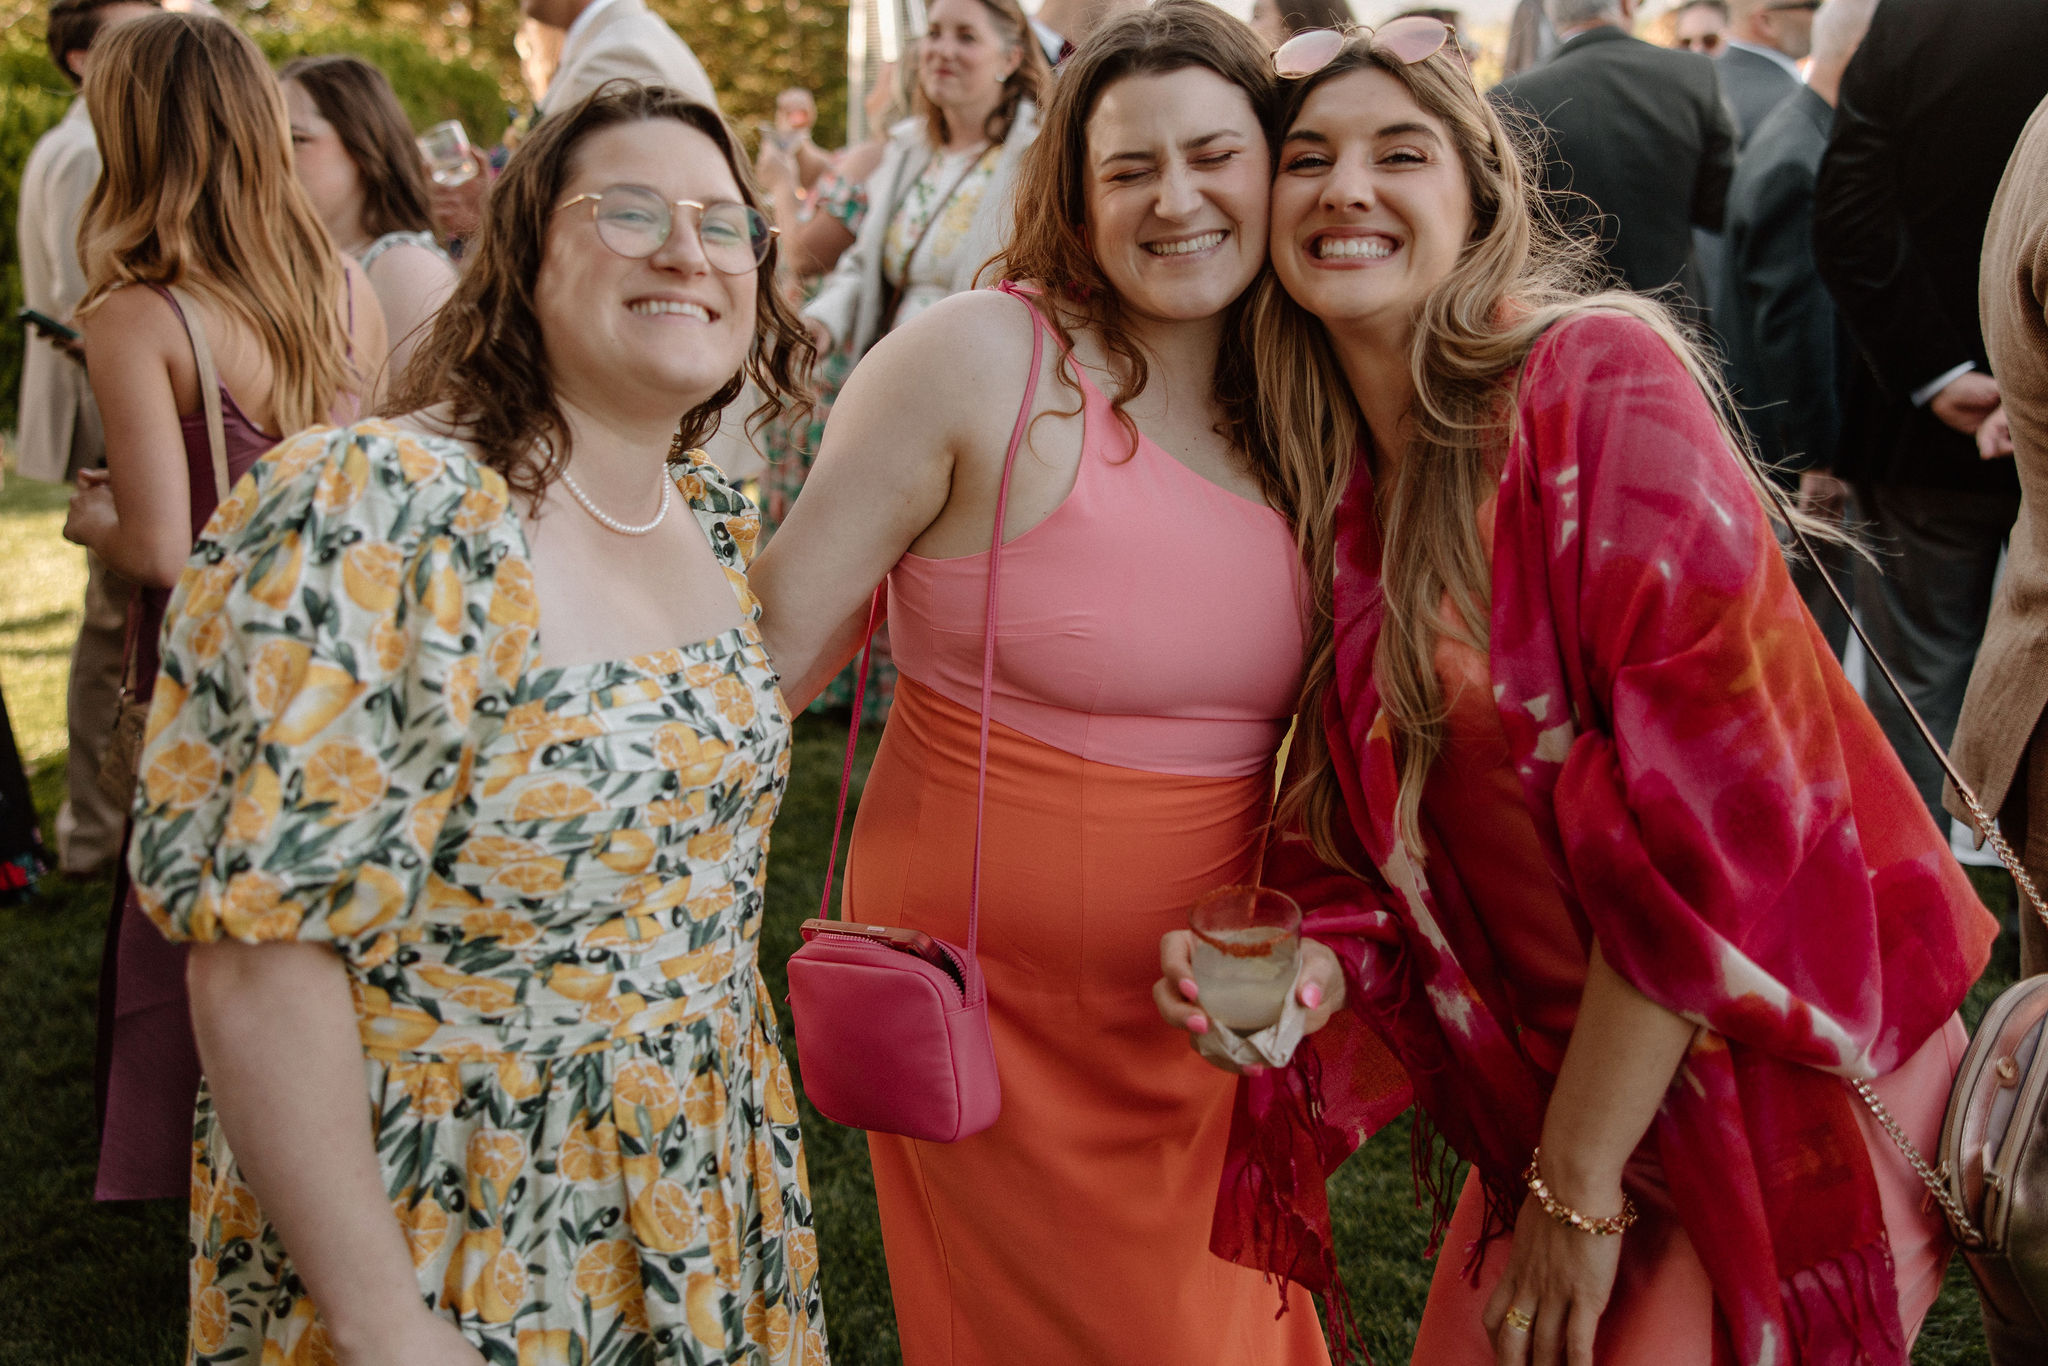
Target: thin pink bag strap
{"type": "Point", "coordinates": [988, 653]}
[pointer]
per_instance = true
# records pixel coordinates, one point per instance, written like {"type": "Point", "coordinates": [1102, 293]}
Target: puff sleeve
{"type": "Point", "coordinates": [346, 637]}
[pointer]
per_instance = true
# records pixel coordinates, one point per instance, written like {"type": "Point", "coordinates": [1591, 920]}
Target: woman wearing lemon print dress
{"type": "Point", "coordinates": [461, 768]}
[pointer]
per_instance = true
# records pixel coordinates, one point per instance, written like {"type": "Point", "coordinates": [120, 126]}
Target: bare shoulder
{"type": "Point", "coordinates": [133, 314]}
{"type": "Point", "coordinates": [967, 340]}
{"type": "Point", "coordinates": [409, 268]}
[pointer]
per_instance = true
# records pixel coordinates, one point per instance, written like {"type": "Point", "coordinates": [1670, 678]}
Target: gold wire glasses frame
{"type": "Point", "coordinates": [635, 222]}
{"type": "Point", "coordinates": [1408, 40]}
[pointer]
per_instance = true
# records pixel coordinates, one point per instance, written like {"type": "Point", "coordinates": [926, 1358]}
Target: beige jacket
{"type": "Point", "coordinates": [2009, 686]}
{"type": "Point", "coordinates": [60, 424]}
{"type": "Point", "coordinates": [625, 39]}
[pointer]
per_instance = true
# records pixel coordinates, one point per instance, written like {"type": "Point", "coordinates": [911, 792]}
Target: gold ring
{"type": "Point", "coordinates": [1519, 1320]}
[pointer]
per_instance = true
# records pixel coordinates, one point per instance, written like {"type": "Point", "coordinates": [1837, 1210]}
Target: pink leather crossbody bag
{"type": "Point", "coordinates": [892, 1024]}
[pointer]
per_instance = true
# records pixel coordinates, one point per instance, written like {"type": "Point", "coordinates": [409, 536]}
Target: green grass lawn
{"type": "Point", "coordinates": [104, 1285]}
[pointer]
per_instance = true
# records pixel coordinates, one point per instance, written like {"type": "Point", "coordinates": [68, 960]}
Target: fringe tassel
{"type": "Point", "coordinates": [1846, 1309]}
{"type": "Point", "coordinates": [1286, 1151]}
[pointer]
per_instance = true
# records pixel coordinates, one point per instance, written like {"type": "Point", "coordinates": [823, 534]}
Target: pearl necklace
{"type": "Point", "coordinates": [612, 523]}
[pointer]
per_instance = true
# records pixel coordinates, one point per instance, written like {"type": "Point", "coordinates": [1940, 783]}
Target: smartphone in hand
{"type": "Point", "coordinates": [47, 325]}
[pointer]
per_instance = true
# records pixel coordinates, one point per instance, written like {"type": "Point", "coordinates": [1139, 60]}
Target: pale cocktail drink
{"type": "Point", "coordinates": [1246, 942]}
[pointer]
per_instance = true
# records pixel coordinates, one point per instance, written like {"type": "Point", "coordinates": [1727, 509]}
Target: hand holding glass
{"type": "Point", "coordinates": [1247, 941]}
{"type": "Point", "coordinates": [446, 149]}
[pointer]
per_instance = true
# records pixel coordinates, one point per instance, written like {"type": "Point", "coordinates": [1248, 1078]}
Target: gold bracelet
{"type": "Point", "coordinates": [1571, 1218]}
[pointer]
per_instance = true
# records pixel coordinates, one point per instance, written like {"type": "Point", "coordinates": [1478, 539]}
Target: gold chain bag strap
{"type": "Point", "coordinates": [131, 717]}
{"type": "Point", "coordinates": [1992, 1178]}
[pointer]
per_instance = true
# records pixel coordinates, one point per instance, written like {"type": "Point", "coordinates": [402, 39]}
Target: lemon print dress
{"type": "Point", "coordinates": [546, 885]}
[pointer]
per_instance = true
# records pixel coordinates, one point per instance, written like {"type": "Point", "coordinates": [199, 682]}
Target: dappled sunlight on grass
{"type": "Point", "coordinates": [41, 587]}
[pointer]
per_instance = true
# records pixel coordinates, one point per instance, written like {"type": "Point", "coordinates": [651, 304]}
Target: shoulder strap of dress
{"type": "Point", "coordinates": [988, 655]}
{"type": "Point", "coordinates": [209, 385]}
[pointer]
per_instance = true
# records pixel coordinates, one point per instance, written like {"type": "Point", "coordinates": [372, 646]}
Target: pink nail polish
{"type": "Point", "coordinates": [1311, 995]}
{"type": "Point", "coordinates": [1255, 1071]}
{"type": "Point", "coordinates": [1189, 990]}
{"type": "Point", "coordinates": [1198, 1024]}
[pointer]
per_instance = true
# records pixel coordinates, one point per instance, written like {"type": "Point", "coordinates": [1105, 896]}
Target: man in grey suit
{"type": "Point", "coordinates": [1760, 64]}
{"type": "Point", "coordinates": [60, 424]}
{"type": "Point", "coordinates": [1637, 134]}
{"type": "Point", "coordinates": [1774, 315]}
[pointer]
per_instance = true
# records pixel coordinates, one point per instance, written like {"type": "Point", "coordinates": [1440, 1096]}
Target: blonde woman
{"type": "Point", "coordinates": [939, 204]}
{"type": "Point", "coordinates": [1596, 838]}
{"type": "Point", "coordinates": [292, 327]}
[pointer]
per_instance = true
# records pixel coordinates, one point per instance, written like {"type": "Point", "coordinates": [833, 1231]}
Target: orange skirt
{"type": "Point", "coordinates": [1077, 1228]}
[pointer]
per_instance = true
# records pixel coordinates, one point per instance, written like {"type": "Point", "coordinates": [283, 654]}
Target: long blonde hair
{"type": "Point", "coordinates": [1518, 275]}
{"type": "Point", "coordinates": [198, 191]}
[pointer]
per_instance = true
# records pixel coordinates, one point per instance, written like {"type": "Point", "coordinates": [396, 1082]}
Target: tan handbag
{"type": "Point", "coordinates": [1992, 1181]}
{"type": "Point", "coordinates": [131, 717]}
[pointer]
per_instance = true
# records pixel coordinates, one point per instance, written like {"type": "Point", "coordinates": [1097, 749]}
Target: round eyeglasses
{"type": "Point", "coordinates": [634, 221]}
{"type": "Point", "coordinates": [1408, 40]}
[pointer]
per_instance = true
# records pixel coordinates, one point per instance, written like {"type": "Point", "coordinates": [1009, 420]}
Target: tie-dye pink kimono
{"type": "Point", "coordinates": [1712, 799]}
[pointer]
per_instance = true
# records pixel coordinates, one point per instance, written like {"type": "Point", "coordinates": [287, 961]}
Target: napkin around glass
{"type": "Point", "coordinates": [1272, 1046]}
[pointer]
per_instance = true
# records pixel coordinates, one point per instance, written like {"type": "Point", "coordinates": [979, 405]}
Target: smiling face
{"type": "Point", "coordinates": [963, 60]}
{"type": "Point", "coordinates": [330, 175]}
{"type": "Point", "coordinates": [1371, 207]}
{"type": "Point", "coordinates": [1177, 186]}
{"type": "Point", "coordinates": [654, 335]}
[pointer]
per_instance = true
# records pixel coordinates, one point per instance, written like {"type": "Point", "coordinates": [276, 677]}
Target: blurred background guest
{"type": "Point", "coordinates": [356, 156]}
{"type": "Point", "coordinates": [1063, 25]}
{"type": "Point", "coordinates": [939, 202]}
{"type": "Point", "coordinates": [604, 40]}
{"type": "Point", "coordinates": [818, 226]}
{"type": "Point", "coordinates": [1701, 27]}
{"type": "Point", "coordinates": [198, 192]}
{"type": "Point", "coordinates": [2000, 746]}
{"type": "Point", "coordinates": [59, 431]}
{"type": "Point", "coordinates": [1928, 112]}
{"type": "Point", "coordinates": [815, 231]}
{"type": "Point", "coordinates": [1531, 37]}
{"type": "Point", "coordinates": [539, 48]}
{"type": "Point", "coordinates": [1774, 314]}
{"type": "Point", "coordinates": [1765, 41]}
{"type": "Point", "coordinates": [1639, 142]}
{"type": "Point", "coordinates": [1276, 21]}
{"type": "Point", "coordinates": [796, 114]}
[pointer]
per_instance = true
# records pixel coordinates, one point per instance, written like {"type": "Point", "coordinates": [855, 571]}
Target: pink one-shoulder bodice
{"type": "Point", "coordinates": [1152, 621]}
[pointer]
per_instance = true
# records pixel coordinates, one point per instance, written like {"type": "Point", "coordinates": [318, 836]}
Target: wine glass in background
{"type": "Point", "coordinates": [446, 149]}
{"type": "Point", "coordinates": [1246, 942]}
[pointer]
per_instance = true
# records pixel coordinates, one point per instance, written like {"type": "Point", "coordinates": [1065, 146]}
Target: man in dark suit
{"type": "Point", "coordinates": [1760, 66]}
{"type": "Point", "coordinates": [1637, 134]}
{"type": "Point", "coordinates": [1774, 315]}
{"type": "Point", "coordinates": [1930, 109]}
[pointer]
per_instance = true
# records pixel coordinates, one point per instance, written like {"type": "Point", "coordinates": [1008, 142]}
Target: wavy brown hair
{"type": "Point", "coordinates": [198, 191]}
{"type": "Point", "coordinates": [1518, 275]}
{"type": "Point", "coordinates": [1032, 78]}
{"type": "Point", "coordinates": [1049, 241]}
{"type": "Point", "coordinates": [355, 97]}
{"type": "Point", "coordinates": [484, 366]}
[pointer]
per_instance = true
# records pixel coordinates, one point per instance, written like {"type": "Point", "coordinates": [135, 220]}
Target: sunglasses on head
{"type": "Point", "coordinates": [1414, 38]}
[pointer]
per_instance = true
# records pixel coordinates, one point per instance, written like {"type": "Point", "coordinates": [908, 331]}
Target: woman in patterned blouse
{"type": "Point", "coordinates": [460, 773]}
